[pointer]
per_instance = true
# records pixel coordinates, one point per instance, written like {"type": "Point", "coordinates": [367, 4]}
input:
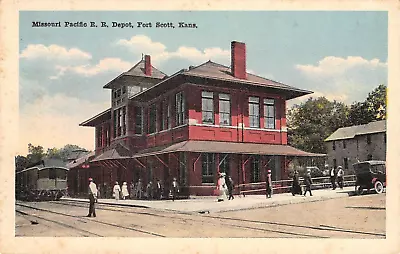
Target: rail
{"type": "Point", "coordinates": [282, 185]}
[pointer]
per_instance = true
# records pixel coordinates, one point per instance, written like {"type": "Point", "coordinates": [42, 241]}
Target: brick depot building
{"type": "Point", "coordinates": [200, 121]}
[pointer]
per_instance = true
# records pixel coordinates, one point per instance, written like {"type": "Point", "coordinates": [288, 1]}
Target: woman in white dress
{"type": "Point", "coordinates": [116, 191]}
{"type": "Point", "coordinates": [125, 193]}
{"type": "Point", "coordinates": [221, 187]}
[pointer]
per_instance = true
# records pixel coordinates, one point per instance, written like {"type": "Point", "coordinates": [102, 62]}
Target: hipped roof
{"type": "Point", "coordinates": [137, 71]}
{"type": "Point", "coordinates": [352, 131]}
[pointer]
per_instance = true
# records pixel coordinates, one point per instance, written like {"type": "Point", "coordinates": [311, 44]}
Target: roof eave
{"type": "Point", "coordinates": [88, 122]}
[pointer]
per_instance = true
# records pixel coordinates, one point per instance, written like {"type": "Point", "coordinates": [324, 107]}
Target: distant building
{"type": "Point", "coordinates": [357, 143]}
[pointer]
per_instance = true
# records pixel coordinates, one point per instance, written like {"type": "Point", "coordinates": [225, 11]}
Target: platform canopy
{"type": "Point", "coordinates": [118, 152]}
{"type": "Point", "coordinates": [226, 147]}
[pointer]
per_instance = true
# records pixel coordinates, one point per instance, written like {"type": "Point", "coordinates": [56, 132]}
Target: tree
{"type": "Point", "coordinates": [63, 153]}
{"type": "Point", "coordinates": [36, 153]}
{"type": "Point", "coordinates": [372, 109]}
{"type": "Point", "coordinates": [311, 122]}
{"type": "Point", "coordinates": [20, 162]}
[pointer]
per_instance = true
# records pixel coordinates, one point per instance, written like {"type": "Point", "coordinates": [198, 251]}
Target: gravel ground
{"type": "Point", "coordinates": [350, 217]}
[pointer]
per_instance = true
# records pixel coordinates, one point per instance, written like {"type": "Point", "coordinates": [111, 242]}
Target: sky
{"type": "Point", "coordinates": [341, 55]}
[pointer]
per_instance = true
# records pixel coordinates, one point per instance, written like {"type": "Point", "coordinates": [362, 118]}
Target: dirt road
{"type": "Point", "coordinates": [350, 217]}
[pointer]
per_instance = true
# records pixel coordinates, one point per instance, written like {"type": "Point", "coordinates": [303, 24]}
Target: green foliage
{"type": "Point", "coordinates": [36, 154]}
{"type": "Point", "coordinates": [372, 109]}
{"type": "Point", "coordinates": [313, 121]}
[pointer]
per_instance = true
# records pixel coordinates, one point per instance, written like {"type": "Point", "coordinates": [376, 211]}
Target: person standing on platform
{"type": "Point", "coordinates": [296, 188]}
{"type": "Point", "coordinates": [268, 182]}
{"type": "Point", "coordinates": [308, 182]}
{"type": "Point", "coordinates": [139, 189]}
{"type": "Point", "coordinates": [333, 178]}
{"type": "Point", "coordinates": [174, 188]}
{"type": "Point", "coordinates": [158, 189]}
{"type": "Point", "coordinates": [131, 190]}
{"type": "Point", "coordinates": [92, 198]}
{"type": "Point", "coordinates": [221, 187]}
{"type": "Point", "coordinates": [116, 191]}
{"type": "Point", "coordinates": [125, 193]}
{"type": "Point", "coordinates": [149, 190]}
{"type": "Point", "coordinates": [229, 185]}
{"type": "Point", "coordinates": [340, 174]}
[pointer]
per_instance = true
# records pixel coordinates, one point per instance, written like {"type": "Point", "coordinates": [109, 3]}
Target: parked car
{"type": "Point", "coordinates": [370, 175]}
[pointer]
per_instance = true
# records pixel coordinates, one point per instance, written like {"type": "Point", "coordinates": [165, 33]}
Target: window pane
{"type": "Point", "coordinates": [206, 94]}
{"type": "Point", "coordinates": [254, 99]}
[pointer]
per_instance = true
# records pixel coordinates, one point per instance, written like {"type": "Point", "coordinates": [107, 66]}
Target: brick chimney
{"type": "Point", "coordinates": [147, 65]}
{"type": "Point", "coordinates": [238, 59]}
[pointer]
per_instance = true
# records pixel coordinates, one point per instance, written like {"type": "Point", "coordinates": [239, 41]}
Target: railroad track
{"type": "Point", "coordinates": [81, 218]}
{"type": "Point", "coordinates": [80, 231]}
{"type": "Point", "coordinates": [229, 221]}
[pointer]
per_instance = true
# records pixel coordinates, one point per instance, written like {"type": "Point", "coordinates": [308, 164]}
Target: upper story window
{"type": "Point", "coordinates": [207, 107]}
{"type": "Point", "coordinates": [180, 109]}
{"type": "Point", "coordinates": [165, 115]}
{"type": "Point", "coordinates": [99, 134]}
{"type": "Point", "coordinates": [138, 120]}
{"type": "Point", "coordinates": [344, 144]}
{"type": "Point", "coordinates": [224, 109]}
{"type": "Point", "coordinates": [368, 139]}
{"type": "Point", "coordinates": [118, 96]}
{"type": "Point", "coordinates": [333, 146]}
{"type": "Point", "coordinates": [169, 122]}
{"type": "Point", "coordinates": [152, 118]}
{"type": "Point", "coordinates": [269, 113]}
{"type": "Point", "coordinates": [254, 112]}
{"type": "Point", "coordinates": [119, 122]}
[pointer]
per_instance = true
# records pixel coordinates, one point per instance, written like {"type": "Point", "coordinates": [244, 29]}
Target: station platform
{"type": "Point", "coordinates": [209, 204]}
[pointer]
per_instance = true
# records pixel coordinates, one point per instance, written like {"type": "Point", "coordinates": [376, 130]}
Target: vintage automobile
{"type": "Point", "coordinates": [370, 175]}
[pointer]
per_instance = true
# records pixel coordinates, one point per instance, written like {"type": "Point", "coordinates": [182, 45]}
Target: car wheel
{"type": "Point", "coordinates": [378, 186]}
{"type": "Point", "coordinates": [359, 190]}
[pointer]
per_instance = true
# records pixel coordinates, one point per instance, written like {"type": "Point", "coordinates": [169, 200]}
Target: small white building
{"type": "Point", "coordinates": [349, 145]}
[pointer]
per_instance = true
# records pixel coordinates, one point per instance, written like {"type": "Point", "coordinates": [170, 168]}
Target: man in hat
{"type": "Point", "coordinates": [333, 178]}
{"type": "Point", "coordinates": [174, 188]}
{"type": "Point", "coordinates": [268, 182]}
{"type": "Point", "coordinates": [92, 198]}
{"type": "Point", "coordinates": [340, 174]}
{"type": "Point", "coordinates": [308, 182]}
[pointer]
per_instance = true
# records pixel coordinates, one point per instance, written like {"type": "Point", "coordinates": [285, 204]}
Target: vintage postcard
{"type": "Point", "coordinates": [236, 128]}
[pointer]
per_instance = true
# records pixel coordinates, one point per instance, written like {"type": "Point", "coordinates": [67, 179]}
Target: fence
{"type": "Point", "coordinates": [282, 186]}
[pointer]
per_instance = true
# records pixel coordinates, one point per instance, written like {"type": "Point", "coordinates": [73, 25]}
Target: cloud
{"type": "Point", "coordinates": [53, 52]}
{"type": "Point", "coordinates": [53, 121]}
{"type": "Point", "coordinates": [347, 79]}
{"type": "Point", "coordinates": [331, 65]}
{"type": "Point", "coordinates": [104, 65]}
{"type": "Point", "coordinates": [142, 44]}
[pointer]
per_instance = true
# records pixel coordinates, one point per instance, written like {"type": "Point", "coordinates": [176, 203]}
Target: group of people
{"type": "Point", "coordinates": [296, 188]}
{"type": "Point", "coordinates": [335, 175]}
{"type": "Point", "coordinates": [135, 191]}
{"type": "Point", "coordinates": [224, 187]}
